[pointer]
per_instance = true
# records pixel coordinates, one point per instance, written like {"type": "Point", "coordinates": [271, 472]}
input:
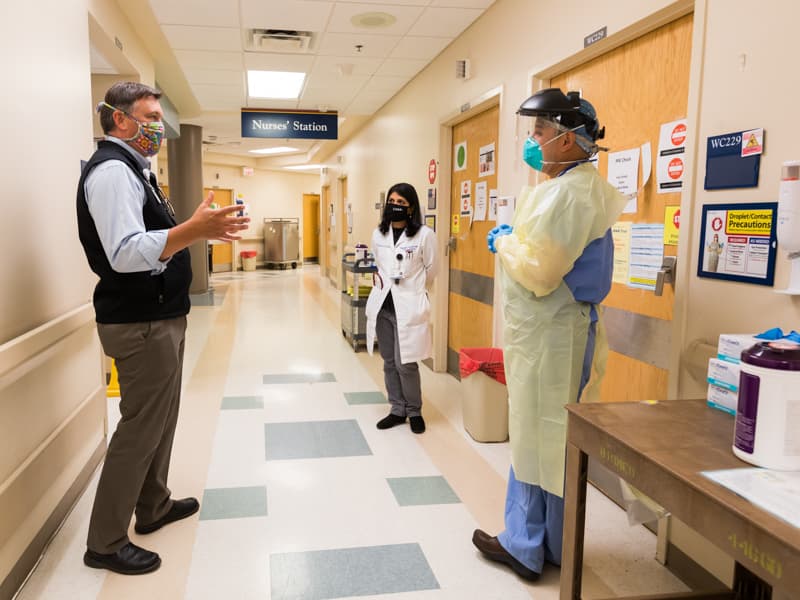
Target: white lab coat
{"type": "Point", "coordinates": [411, 304]}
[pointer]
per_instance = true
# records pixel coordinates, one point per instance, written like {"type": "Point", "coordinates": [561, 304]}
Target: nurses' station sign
{"type": "Point", "coordinates": [738, 242]}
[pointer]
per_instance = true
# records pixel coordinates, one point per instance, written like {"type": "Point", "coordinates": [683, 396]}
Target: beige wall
{"type": "Point", "coordinates": [269, 194]}
{"type": "Point", "coordinates": [52, 387]}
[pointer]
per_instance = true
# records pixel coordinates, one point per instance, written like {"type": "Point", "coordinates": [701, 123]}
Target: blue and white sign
{"type": "Point", "coordinates": [728, 162]}
{"type": "Point", "coordinates": [293, 125]}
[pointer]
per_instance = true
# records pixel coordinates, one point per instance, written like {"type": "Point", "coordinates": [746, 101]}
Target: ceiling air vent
{"type": "Point", "coordinates": [279, 40]}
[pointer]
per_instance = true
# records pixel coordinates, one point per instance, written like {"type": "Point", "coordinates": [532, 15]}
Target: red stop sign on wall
{"type": "Point", "coordinates": [678, 134]}
{"type": "Point", "coordinates": [675, 168]}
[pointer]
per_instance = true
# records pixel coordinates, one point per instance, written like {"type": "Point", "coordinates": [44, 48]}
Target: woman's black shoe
{"type": "Point", "coordinates": [390, 421]}
{"type": "Point", "coordinates": [417, 424]}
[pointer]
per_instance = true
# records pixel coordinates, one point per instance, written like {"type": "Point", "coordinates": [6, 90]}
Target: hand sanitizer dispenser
{"type": "Point", "coordinates": [789, 221]}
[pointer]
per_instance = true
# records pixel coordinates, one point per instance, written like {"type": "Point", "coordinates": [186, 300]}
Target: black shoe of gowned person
{"type": "Point", "coordinates": [128, 560]}
{"type": "Point", "coordinates": [180, 510]}
{"type": "Point", "coordinates": [417, 424]}
{"type": "Point", "coordinates": [390, 421]}
{"type": "Point", "coordinates": [490, 547]}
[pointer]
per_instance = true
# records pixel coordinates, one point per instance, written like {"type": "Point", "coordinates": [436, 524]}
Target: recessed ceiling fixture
{"type": "Point", "coordinates": [277, 85]}
{"type": "Point", "coordinates": [303, 167]}
{"type": "Point", "coordinates": [373, 20]}
{"type": "Point", "coordinates": [275, 150]}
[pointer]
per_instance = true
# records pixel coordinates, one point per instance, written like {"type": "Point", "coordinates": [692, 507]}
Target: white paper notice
{"type": "Point", "coordinates": [774, 491]}
{"type": "Point", "coordinates": [480, 201]}
{"type": "Point", "coordinates": [486, 160]}
{"type": "Point", "coordinates": [647, 163]}
{"type": "Point", "coordinates": [492, 205]}
{"type": "Point", "coordinates": [623, 174]}
{"type": "Point", "coordinates": [647, 254]}
{"type": "Point", "coordinates": [505, 210]}
{"type": "Point", "coordinates": [670, 167]}
{"type": "Point", "coordinates": [621, 232]}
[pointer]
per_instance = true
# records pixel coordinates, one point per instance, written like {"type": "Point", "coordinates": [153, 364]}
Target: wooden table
{"type": "Point", "coordinates": [661, 448]}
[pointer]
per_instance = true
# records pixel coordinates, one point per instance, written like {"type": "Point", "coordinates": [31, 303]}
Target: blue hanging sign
{"type": "Point", "coordinates": [729, 161]}
{"type": "Point", "coordinates": [307, 125]}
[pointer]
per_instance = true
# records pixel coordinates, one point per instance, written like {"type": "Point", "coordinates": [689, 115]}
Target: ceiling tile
{"type": "Point", "coordinates": [344, 44]}
{"type": "Point", "coordinates": [200, 59]}
{"type": "Point", "coordinates": [278, 62]}
{"type": "Point", "coordinates": [343, 13]}
{"type": "Point", "coordinates": [213, 13]}
{"type": "Point", "coordinates": [334, 98]}
{"type": "Point", "coordinates": [419, 47]}
{"type": "Point", "coordinates": [444, 22]}
{"type": "Point", "coordinates": [464, 3]}
{"type": "Point", "coordinates": [330, 66]}
{"type": "Point", "coordinates": [401, 67]}
{"type": "Point", "coordinates": [385, 84]}
{"type": "Point", "coordinates": [215, 77]}
{"type": "Point", "coordinates": [282, 14]}
{"type": "Point", "coordinates": [215, 97]}
{"type": "Point", "coordinates": [182, 37]}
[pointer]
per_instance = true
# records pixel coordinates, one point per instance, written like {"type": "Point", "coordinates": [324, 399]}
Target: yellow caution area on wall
{"type": "Point", "coordinates": [112, 391]}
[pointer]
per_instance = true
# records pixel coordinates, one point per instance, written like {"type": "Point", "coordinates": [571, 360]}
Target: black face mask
{"type": "Point", "coordinates": [395, 213]}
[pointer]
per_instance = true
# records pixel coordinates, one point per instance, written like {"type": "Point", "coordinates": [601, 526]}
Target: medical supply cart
{"type": "Point", "coordinates": [356, 285]}
{"type": "Point", "coordinates": [281, 243]}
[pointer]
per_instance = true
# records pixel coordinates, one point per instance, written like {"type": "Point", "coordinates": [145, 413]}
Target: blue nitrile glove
{"type": "Point", "coordinates": [495, 233]}
{"type": "Point", "coordinates": [793, 337]}
{"type": "Point", "coordinates": [775, 333]}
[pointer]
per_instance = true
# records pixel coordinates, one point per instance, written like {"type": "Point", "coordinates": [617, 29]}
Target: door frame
{"type": "Point", "coordinates": [539, 78]}
{"type": "Point", "coordinates": [441, 286]}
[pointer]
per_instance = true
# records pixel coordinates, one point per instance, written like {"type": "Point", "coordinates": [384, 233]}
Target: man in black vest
{"type": "Point", "coordinates": [132, 242]}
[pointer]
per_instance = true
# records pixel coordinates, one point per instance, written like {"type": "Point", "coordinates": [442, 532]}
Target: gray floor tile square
{"type": "Point", "coordinates": [234, 503]}
{"type": "Point", "coordinates": [418, 491]}
{"type": "Point", "coordinates": [279, 378]}
{"type": "Point", "coordinates": [242, 402]}
{"type": "Point", "coordinates": [314, 439]}
{"type": "Point", "coordinates": [349, 572]}
{"type": "Point", "coordinates": [365, 398]}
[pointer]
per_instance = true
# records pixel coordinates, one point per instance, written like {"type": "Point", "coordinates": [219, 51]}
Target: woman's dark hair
{"type": "Point", "coordinates": [414, 221]}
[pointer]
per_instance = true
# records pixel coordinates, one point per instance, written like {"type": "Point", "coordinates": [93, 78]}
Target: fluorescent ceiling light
{"type": "Point", "coordinates": [275, 150]}
{"type": "Point", "coordinates": [303, 167]}
{"type": "Point", "coordinates": [279, 85]}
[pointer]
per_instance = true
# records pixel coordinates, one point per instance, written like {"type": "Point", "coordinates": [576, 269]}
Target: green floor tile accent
{"type": "Point", "coordinates": [314, 439]}
{"type": "Point", "coordinates": [347, 572]}
{"type": "Point", "coordinates": [234, 503]}
{"type": "Point", "coordinates": [209, 298]}
{"type": "Point", "coordinates": [365, 398]}
{"type": "Point", "coordinates": [278, 378]}
{"type": "Point", "coordinates": [419, 491]}
{"type": "Point", "coordinates": [242, 402]}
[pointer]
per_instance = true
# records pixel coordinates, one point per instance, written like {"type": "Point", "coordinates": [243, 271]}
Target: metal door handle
{"type": "Point", "coordinates": [666, 274]}
{"type": "Point", "coordinates": [451, 244]}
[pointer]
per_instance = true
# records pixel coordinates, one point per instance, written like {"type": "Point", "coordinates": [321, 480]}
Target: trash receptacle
{"type": "Point", "coordinates": [485, 406]}
{"type": "Point", "coordinates": [248, 260]}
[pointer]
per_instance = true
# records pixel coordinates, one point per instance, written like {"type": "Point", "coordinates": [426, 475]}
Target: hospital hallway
{"type": "Point", "coordinates": [303, 498]}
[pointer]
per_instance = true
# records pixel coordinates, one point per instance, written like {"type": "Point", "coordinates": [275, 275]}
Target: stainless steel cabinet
{"type": "Point", "coordinates": [281, 242]}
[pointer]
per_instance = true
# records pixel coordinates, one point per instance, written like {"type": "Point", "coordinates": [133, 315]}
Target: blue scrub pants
{"type": "Point", "coordinates": [534, 518]}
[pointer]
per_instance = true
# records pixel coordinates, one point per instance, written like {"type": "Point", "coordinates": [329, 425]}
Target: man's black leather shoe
{"type": "Point", "coordinates": [491, 548]}
{"type": "Point", "coordinates": [180, 510]}
{"type": "Point", "coordinates": [128, 560]}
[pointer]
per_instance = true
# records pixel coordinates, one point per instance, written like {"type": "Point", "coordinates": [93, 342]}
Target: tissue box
{"type": "Point", "coordinates": [731, 345]}
{"type": "Point", "coordinates": [723, 399]}
{"type": "Point", "coordinates": [723, 374]}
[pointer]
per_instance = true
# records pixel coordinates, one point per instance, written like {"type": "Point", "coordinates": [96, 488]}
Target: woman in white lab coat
{"type": "Point", "coordinates": [398, 309]}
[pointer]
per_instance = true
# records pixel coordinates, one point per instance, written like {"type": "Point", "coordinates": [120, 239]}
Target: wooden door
{"type": "Point", "coordinates": [310, 227]}
{"type": "Point", "coordinates": [221, 252]}
{"type": "Point", "coordinates": [471, 295]}
{"type": "Point", "coordinates": [636, 88]}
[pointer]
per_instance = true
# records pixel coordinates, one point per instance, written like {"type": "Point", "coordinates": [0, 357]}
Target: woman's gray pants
{"type": "Point", "coordinates": [402, 381]}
